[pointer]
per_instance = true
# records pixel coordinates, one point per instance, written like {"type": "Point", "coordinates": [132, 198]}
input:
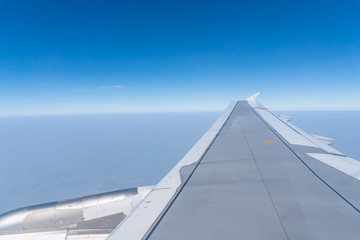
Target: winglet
{"type": "Point", "coordinates": [252, 100]}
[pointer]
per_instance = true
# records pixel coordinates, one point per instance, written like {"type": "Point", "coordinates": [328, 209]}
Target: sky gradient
{"type": "Point", "coordinates": [64, 57]}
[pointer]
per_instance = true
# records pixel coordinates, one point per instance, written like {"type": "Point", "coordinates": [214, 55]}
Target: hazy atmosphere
{"type": "Point", "coordinates": [50, 158]}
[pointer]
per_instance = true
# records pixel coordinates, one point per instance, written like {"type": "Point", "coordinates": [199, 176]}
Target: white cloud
{"type": "Point", "coordinates": [110, 87]}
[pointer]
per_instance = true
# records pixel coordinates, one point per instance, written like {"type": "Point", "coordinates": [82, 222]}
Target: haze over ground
{"type": "Point", "coordinates": [50, 158]}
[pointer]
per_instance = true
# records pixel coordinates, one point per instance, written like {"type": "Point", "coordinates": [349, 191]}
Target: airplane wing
{"type": "Point", "coordinates": [253, 175]}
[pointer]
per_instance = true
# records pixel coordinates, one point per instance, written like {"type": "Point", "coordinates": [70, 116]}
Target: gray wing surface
{"type": "Point", "coordinates": [258, 177]}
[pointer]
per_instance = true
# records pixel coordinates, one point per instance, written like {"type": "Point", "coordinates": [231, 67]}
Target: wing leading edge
{"type": "Point", "coordinates": [252, 176]}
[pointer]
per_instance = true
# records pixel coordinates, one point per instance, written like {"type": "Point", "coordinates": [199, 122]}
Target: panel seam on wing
{"type": "Point", "coordinates": [151, 208]}
{"type": "Point", "coordinates": [305, 164]}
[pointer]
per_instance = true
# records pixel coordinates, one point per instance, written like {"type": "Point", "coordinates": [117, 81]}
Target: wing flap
{"type": "Point", "coordinates": [345, 164]}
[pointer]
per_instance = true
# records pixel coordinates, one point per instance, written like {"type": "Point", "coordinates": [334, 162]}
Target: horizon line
{"type": "Point", "coordinates": [168, 111]}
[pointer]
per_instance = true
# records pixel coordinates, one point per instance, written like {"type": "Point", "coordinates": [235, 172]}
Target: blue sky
{"type": "Point", "coordinates": [61, 57]}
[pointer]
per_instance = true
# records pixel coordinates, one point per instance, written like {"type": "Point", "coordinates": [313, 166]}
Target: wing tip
{"type": "Point", "coordinates": [252, 100]}
{"type": "Point", "coordinates": [253, 97]}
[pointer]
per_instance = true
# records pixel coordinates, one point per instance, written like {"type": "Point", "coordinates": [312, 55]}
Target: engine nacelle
{"type": "Point", "coordinates": [99, 213]}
